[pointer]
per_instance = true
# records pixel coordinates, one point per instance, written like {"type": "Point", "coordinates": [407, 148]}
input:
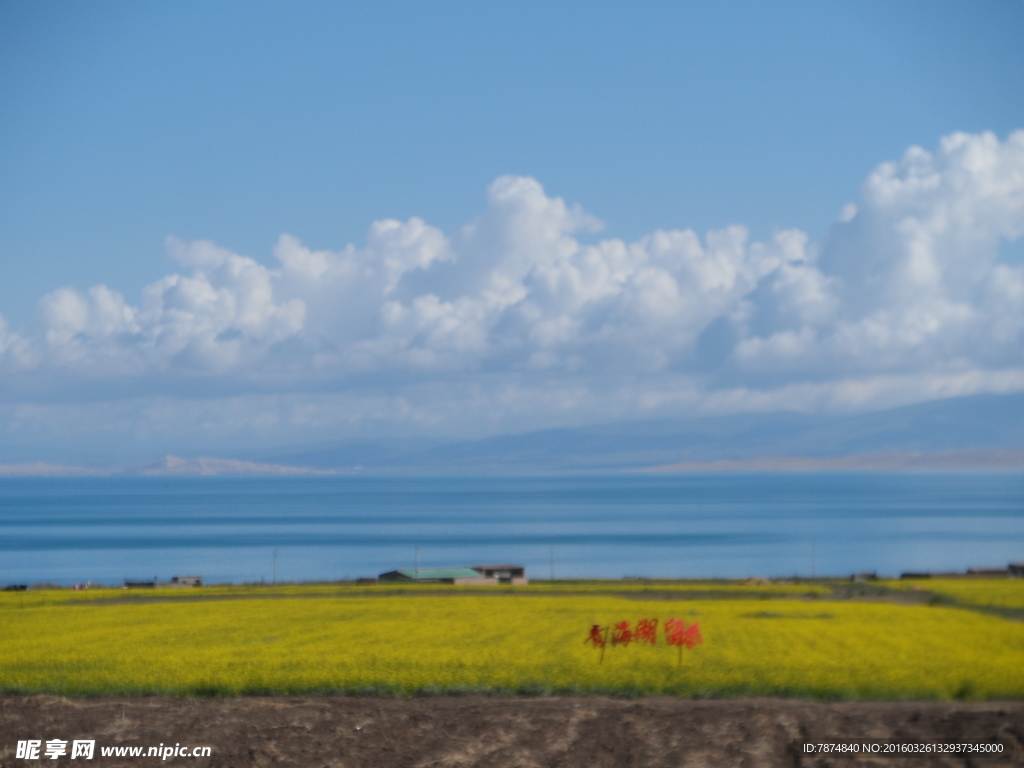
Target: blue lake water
{"type": "Point", "coordinates": [704, 525]}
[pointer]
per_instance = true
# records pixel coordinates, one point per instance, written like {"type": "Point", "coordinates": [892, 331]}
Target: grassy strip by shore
{"type": "Point", "coordinates": [974, 593]}
{"type": "Point", "coordinates": [408, 644]}
{"type": "Point", "coordinates": [629, 587]}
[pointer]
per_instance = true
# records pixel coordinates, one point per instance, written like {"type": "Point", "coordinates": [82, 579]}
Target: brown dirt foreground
{"type": "Point", "coordinates": [497, 732]}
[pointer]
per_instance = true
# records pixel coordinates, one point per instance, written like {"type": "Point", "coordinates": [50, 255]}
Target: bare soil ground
{"type": "Point", "coordinates": [495, 732]}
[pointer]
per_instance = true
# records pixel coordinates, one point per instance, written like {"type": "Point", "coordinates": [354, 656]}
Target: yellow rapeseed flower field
{"type": "Point", "coordinates": [303, 640]}
{"type": "Point", "coordinates": [983, 593]}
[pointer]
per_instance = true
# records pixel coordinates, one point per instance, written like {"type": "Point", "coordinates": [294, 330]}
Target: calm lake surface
{"type": "Point", "coordinates": [703, 525]}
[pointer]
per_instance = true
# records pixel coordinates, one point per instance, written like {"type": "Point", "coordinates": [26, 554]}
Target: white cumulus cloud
{"type": "Point", "coordinates": [910, 280]}
{"type": "Point", "coordinates": [908, 293]}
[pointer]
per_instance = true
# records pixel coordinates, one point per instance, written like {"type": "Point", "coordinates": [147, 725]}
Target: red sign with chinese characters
{"type": "Point", "coordinates": [677, 635]}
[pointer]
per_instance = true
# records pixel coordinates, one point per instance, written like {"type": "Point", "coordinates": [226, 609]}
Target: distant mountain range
{"type": "Point", "coordinates": [969, 433]}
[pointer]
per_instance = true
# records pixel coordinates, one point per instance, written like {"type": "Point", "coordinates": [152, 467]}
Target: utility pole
{"type": "Point", "coordinates": [417, 551]}
{"type": "Point", "coordinates": [552, 564]}
{"type": "Point", "coordinates": [275, 566]}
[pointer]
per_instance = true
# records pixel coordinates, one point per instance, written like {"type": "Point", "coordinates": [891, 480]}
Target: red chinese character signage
{"type": "Point", "coordinates": [622, 634]}
{"type": "Point", "coordinates": [677, 635]}
{"type": "Point", "coordinates": [647, 631]}
{"type": "Point", "coordinates": [598, 636]}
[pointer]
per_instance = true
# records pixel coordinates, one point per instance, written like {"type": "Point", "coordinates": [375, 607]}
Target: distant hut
{"type": "Point", "coordinates": [140, 583]}
{"type": "Point", "coordinates": [176, 581]}
{"type": "Point", "coordinates": [988, 572]}
{"type": "Point", "coordinates": [459, 576]}
{"type": "Point", "coordinates": [505, 574]}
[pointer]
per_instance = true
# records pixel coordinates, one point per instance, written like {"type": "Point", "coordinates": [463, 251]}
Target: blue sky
{"type": "Point", "coordinates": [527, 158]}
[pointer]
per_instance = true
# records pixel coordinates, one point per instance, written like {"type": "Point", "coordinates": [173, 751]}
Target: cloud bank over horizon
{"type": "Point", "coordinates": [526, 318]}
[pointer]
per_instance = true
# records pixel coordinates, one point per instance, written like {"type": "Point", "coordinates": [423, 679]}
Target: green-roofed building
{"type": "Point", "coordinates": [439, 576]}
